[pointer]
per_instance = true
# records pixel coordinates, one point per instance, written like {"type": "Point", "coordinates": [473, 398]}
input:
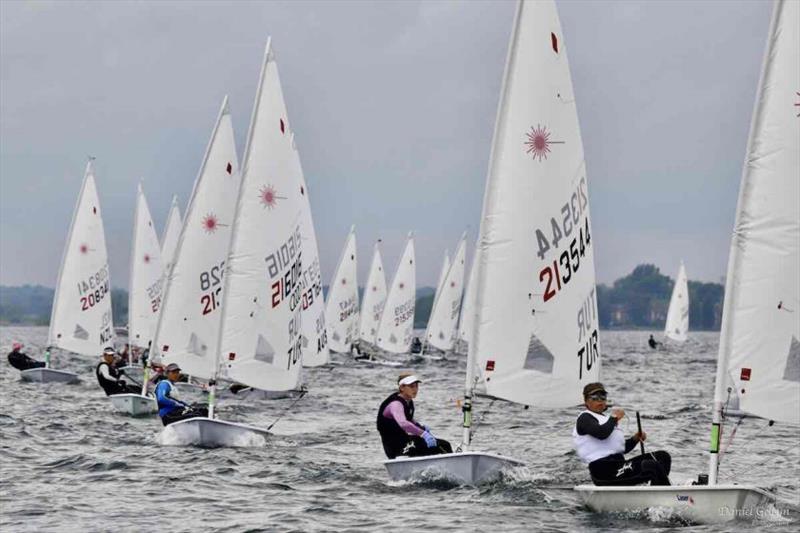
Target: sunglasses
{"type": "Point", "coordinates": [598, 397]}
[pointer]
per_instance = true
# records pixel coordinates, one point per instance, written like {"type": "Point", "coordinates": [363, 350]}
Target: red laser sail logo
{"type": "Point", "coordinates": [268, 196]}
{"type": "Point", "coordinates": [210, 223]}
{"type": "Point", "coordinates": [538, 142]}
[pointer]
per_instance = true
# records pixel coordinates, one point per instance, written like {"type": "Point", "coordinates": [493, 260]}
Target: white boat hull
{"type": "Point", "coordinates": [213, 433]}
{"type": "Point", "coordinates": [696, 503]}
{"type": "Point", "coordinates": [470, 468]}
{"type": "Point", "coordinates": [134, 404]}
{"type": "Point", "coordinates": [48, 375]}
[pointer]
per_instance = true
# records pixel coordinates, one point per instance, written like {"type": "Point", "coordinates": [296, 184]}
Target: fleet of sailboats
{"type": "Point", "coordinates": [233, 292]}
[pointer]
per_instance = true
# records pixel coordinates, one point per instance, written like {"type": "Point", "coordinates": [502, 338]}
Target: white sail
{"type": "Point", "coordinates": [677, 325]}
{"type": "Point", "coordinates": [264, 291]}
{"type": "Point", "coordinates": [760, 340]}
{"type": "Point", "coordinates": [314, 333]}
{"type": "Point", "coordinates": [374, 299]}
{"type": "Point", "coordinates": [442, 272]}
{"type": "Point", "coordinates": [342, 306]}
{"type": "Point", "coordinates": [188, 328]}
{"type": "Point", "coordinates": [535, 339]}
{"type": "Point", "coordinates": [172, 231]}
{"type": "Point", "coordinates": [396, 326]}
{"type": "Point", "coordinates": [441, 330]}
{"type": "Point", "coordinates": [468, 306]}
{"type": "Point", "coordinates": [147, 276]}
{"type": "Point", "coordinates": [81, 320]}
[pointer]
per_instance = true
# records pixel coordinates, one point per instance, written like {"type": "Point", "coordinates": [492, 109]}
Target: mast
{"type": "Point", "coordinates": [472, 354]}
{"type": "Point", "coordinates": [734, 265]}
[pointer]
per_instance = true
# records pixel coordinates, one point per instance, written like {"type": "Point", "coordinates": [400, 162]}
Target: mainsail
{"type": "Point", "coordinates": [677, 325]}
{"type": "Point", "coordinates": [397, 320]}
{"type": "Point", "coordinates": [374, 299]}
{"type": "Point", "coordinates": [172, 231]}
{"type": "Point", "coordinates": [535, 337]}
{"type": "Point", "coordinates": [81, 320]}
{"type": "Point", "coordinates": [441, 329]}
{"type": "Point", "coordinates": [265, 289]}
{"type": "Point", "coordinates": [188, 328]}
{"type": "Point", "coordinates": [342, 306]}
{"type": "Point", "coordinates": [147, 276]}
{"type": "Point", "coordinates": [759, 350]}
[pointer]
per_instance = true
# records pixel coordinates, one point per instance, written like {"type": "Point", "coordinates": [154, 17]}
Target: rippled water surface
{"type": "Point", "coordinates": [68, 463]}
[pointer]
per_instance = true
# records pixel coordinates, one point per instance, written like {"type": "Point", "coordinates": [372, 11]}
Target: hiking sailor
{"type": "Point", "coordinates": [601, 445]}
{"type": "Point", "coordinates": [110, 379]}
{"type": "Point", "coordinates": [652, 342]}
{"type": "Point", "coordinates": [170, 409]}
{"type": "Point", "coordinates": [22, 361]}
{"type": "Point", "coordinates": [400, 433]}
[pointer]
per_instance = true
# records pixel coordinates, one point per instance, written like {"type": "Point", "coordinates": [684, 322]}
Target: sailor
{"type": "Point", "coordinates": [110, 378]}
{"type": "Point", "coordinates": [416, 345]}
{"type": "Point", "coordinates": [170, 409]}
{"type": "Point", "coordinates": [602, 445]}
{"type": "Point", "coordinates": [652, 342]}
{"type": "Point", "coordinates": [400, 433]}
{"type": "Point", "coordinates": [22, 361]}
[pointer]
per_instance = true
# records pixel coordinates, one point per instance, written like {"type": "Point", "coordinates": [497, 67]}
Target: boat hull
{"type": "Point", "coordinates": [213, 433]}
{"type": "Point", "coordinates": [48, 375]}
{"type": "Point", "coordinates": [704, 504]}
{"type": "Point", "coordinates": [470, 468]}
{"type": "Point", "coordinates": [134, 404]}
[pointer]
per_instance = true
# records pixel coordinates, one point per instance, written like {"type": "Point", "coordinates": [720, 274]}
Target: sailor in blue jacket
{"type": "Point", "coordinates": [171, 409]}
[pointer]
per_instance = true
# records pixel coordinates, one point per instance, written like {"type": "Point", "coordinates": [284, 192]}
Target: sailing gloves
{"type": "Point", "coordinates": [430, 440]}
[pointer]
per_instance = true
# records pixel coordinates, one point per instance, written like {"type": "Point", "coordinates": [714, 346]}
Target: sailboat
{"type": "Point", "coordinates": [144, 299]}
{"type": "Point", "coordinates": [342, 306]}
{"type": "Point", "coordinates": [172, 232]}
{"type": "Point", "coordinates": [373, 302]}
{"type": "Point", "coordinates": [534, 338]}
{"type": "Point", "coordinates": [759, 352]}
{"type": "Point", "coordinates": [396, 326]}
{"type": "Point", "coordinates": [80, 320]}
{"type": "Point", "coordinates": [468, 305]}
{"type": "Point", "coordinates": [260, 343]}
{"type": "Point", "coordinates": [677, 325]}
{"type": "Point", "coordinates": [188, 327]}
{"type": "Point", "coordinates": [441, 329]}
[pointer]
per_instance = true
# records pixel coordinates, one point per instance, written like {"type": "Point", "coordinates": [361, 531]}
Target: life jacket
{"type": "Point", "coordinates": [109, 386]}
{"type": "Point", "coordinates": [393, 437]}
{"type": "Point", "coordinates": [591, 448]}
{"type": "Point", "coordinates": [166, 397]}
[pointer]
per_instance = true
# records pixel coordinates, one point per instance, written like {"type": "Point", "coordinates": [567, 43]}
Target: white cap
{"type": "Point", "coordinates": [409, 380]}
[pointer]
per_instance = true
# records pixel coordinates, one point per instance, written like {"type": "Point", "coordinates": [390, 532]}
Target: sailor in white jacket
{"type": "Point", "coordinates": [602, 445]}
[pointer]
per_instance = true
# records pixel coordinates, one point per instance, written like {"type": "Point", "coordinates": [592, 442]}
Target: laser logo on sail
{"type": "Point", "coordinates": [538, 142]}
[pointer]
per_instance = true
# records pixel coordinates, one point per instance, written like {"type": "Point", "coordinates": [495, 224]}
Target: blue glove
{"type": "Point", "coordinates": [430, 440]}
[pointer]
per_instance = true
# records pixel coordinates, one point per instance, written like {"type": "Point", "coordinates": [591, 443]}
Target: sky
{"type": "Point", "coordinates": [393, 106]}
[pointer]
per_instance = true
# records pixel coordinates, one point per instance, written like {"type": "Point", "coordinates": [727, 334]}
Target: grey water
{"type": "Point", "coordinates": [68, 463]}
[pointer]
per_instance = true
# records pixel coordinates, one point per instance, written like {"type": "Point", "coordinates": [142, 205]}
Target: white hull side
{"type": "Point", "coordinates": [48, 375]}
{"type": "Point", "coordinates": [208, 433]}
{"type": "Point", "coordinates": [470, 468]}
{"type": "Point", "coordinates": [696, 503]}
{"type": "Point", "coordinates": [134, 404]}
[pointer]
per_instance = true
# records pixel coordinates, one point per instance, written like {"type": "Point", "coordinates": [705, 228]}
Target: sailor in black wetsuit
{"type": "Point", "coordinates": [400, 433]}
{"type": "Point", "coordinates": [416, 345]}
{"type": "Point", "coordinates": [22, 361]}
{"type": "Point", "coordinates": [602, 445]}
{"type": "Point", "coordinates": [110, 378]}
{"type": "Point", "coordinates": [652, 342]}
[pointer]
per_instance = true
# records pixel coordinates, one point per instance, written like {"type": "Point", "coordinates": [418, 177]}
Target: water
{"type": "Point", "coordinates": [67, 463]}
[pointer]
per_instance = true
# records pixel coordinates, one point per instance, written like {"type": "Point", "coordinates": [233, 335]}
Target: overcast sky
{"type": "Point", "coordinates": [393, 105]}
